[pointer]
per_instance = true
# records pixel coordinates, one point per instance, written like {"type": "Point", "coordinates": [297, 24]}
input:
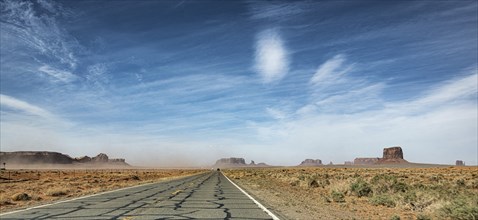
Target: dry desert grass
{"type": "Point", "coordinates": [365, 193]}
{"type": "Point", "coordinates": [24, 188]}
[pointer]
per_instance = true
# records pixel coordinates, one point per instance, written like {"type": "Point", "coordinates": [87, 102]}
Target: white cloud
{"type": "Point", "coordinates": [441, 123]}
{"type": "Point", "coordinates": [452, 92]}
{"type": "Point", "coordinates": [11, 102]}
{"type": "Point", "coordinates": [276, 113]}
{"type": "Point", "coordinates": [272, 62]}
{"type": "Point", "coordinates": [37, 29]}
{"type": "Point", "coordinates": [331, 71]}
{"type": "Point", "coordinates": [276, 10]}
{"type": "Point", "coordinates": [59, 75]}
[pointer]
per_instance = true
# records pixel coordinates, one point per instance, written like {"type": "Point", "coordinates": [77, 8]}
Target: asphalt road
{"type": "Point", "coordinates": [204, 196]}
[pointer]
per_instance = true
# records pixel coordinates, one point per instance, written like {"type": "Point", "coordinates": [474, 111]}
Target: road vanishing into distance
{"type": "Point", "coordinates": [204, 196]}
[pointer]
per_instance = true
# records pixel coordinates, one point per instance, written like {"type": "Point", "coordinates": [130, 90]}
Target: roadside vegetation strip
{"type": "Point", "coordinates": [255, 201]}
{"type": "Point", "coordinates": [166, 179]}
{"type": "Point", "coordinates": [69, 200]}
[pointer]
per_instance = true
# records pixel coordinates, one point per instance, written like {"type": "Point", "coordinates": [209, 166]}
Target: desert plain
{"type": "Point", "coordinates": [327, 192]}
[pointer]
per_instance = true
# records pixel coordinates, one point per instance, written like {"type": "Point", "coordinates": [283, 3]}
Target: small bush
{"type": "Point", "coordinates": [459, 209]}
{"type": "Point", "coordinates": [423, 217]}
{"type": "Point", "coordinates": [360, 188]}
{"type": "Point", "coordinates": [395, 217]}
{"type": "Point", "coordinates": [313, 184]}
{"type": "Point", "coordinates": [383, 200]}
{"type": "Point", "coordinates": [337, 196]}
{"type": "Point", "coordinates": [21, 197]}
{"type": "Point", "coordinates": [460, 182]}
{"type": "Point", "coordinates": [57, 192]}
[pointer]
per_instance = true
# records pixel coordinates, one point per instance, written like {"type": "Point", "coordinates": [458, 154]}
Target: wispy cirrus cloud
{"type": "Point", "coordinates": [444, 112]}
{"type": "Point", "coordinates": [331, 70]}
{"type": "Point", "coordinates": [59, 75]}
{"type": "Point", "coordinates": [275, 10]}
{"type": "Point", "coordinates": [271, 57]}
{"type": "Point", "coordinates": [19, 105]}
{"type": "Point", "coordinates": [34, 29]}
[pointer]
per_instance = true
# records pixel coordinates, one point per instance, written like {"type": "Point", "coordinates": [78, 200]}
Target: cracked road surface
{"type": "Point", "coordinates": [204, 196]}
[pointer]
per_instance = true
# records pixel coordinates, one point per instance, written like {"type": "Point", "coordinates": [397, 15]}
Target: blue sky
{"type": "Point", "coordinates": [165, 83]}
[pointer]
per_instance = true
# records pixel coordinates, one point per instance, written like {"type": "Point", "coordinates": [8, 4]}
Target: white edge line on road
{"type": "Point", "coordinates": [69, 200]}
{"type": "Point", "coordinates": [255, 201]}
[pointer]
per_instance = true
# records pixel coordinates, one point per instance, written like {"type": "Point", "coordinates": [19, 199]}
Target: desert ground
{"type": "Point", "coordinates": [292, 192]}
{"type": "Point", "coordinates": [20, 188]}
{"type": "Point", "coordinates": [364, 193]}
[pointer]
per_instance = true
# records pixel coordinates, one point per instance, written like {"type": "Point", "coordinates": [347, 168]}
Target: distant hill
{"type": "Point", "coordinates": [55, 158]}
{"type": "Point", "coordinates": [236, 162]}
{"type": "Point", "coordinates": [311, 163]}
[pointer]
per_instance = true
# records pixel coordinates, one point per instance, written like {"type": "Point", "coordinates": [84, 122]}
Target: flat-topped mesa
{"type": "Point", "coordinates": [392, 155]}
{"type": "Point", "coordinates": [311, 162]}
{"type": "Point", "coordinates": [45, 157]}
{"type": "Point", "coordinates": [35, 157]}
{"type": "Point", "coordinates": [460, 163]}
{"type": "Point", "coordinates": [237, 162]}
{"type": "Point", "coordinates": [230, 162]}
{"type": "Point", "coordinates": [366, 160]}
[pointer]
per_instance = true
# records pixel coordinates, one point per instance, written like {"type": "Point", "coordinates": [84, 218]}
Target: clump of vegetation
{"type": "Point", "coordinates": [385, 183]}
{"type": "Point", "coordinates": [460, 209]}
{"type": "Point", "coordinates": [423, 217]}
{"type": "Point", "coordinates": [384, 200]}
{"type": "Point", "coordinates": [337, 196]}
{"type": "Point", "coordinates": [361, 188]}
{"type": "Point", "coordinates": [395, 217]}
{"type": "Point", "coordinates": [21, 197]}
{"type": "Point", "coordinates": [313, 184]}
{"type": "Point", "coordinates": [55, 192]}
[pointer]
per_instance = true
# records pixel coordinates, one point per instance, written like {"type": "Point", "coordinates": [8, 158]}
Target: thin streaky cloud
{"type": "Point", "coordinates": [10, 102]}
{"type": "Point", "coordinates": [58, 75]}
{"type": "Point", "coordinates": [331, 70]}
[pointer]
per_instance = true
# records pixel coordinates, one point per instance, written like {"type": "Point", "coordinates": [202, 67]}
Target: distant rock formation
{"type": "Point", "coordinates": [84, 159]}
{"type": "Point", "coordinates": [236, 162]}
{"type": "Point", "coordinates": [348, 163]}
{"type": "Point", "coordinates": [460, 163]}
{"type": "Point", "coordinates": [366, 160]}
{"type": "Point", "coordinates": [311, 162]}
{"type": "Point", "coordinates": [391, 155]}
{"type": "Point", "coordinates": [29, 157]}
{"type": "Point", "coordinates": [100, 158]}
{"type": "Point", "coordinates": [46, 157]}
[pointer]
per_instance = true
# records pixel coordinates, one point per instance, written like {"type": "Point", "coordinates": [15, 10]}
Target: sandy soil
{"type": "Point", "coordinates": [328, 193]}
{"type": "Point", "coordinates": [24, 188]}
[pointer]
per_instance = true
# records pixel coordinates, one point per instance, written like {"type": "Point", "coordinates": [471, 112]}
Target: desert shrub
{"type": "Point", "coordinates": [399, 187]}
{"type": "Point", "coordinates": [360, 188]}
{"type": "Point", "coordinates": [423, 217]}
{"type": "Point", "coordinates": [459, 209]}
{"type": "Point", "coordinates": [395, 217]}
{"type": "Point", "coordinates": [337, 196]}
{"type": "Point", "coordinates": [387, 183]}
{"type": "Point", "coordinates": [384, 200]}
{"type": "Point", "coordinates": [460, 182]}
{"type": "Point", "coordinates": [21, 197]}
{"type": "Point", "coordinates": [4, 202]}
{"type": "Point", "coordinates": [57, 192]}
{"type": "Point", "coordinates": [313, 184]}
{"type": "Point", "coordinates": [135, 177]}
